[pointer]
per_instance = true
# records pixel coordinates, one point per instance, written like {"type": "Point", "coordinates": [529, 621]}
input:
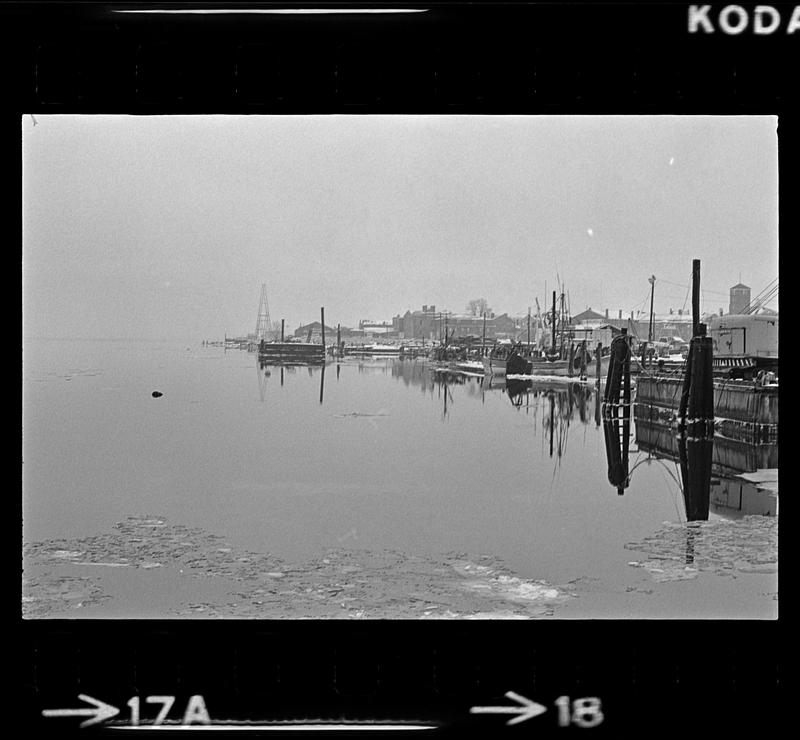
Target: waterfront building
{"type": "Point", "coordinates": [316, 332]}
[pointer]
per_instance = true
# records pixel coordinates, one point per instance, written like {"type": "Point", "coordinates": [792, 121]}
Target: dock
{"type": "Point", "coordinates": [737, 403]}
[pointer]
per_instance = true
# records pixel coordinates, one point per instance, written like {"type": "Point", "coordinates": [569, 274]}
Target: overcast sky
{"type": "Point", "coordinates": [166, 227]}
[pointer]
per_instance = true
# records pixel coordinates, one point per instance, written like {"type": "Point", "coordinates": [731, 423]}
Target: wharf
{"type": "Point", "coordinates": [734, 400]}
{"type": "Point", "coordinates": [291, 352]}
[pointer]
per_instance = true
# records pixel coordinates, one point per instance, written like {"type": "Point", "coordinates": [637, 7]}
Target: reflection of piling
{"type": "Point", "coordinates": [597, 407]}
{"type": "Point", "coordinates": [321, 384]}
{"type": "Point", "coordinates": [695, 456]}
{"type": "Point", "coordinates": [617, 438]}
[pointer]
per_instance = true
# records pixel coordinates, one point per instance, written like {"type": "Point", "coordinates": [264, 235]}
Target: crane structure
{"type": "Point", "coordinates": [263, 324]}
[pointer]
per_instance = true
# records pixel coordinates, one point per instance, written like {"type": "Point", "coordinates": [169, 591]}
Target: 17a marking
{"type": "Point", "coordinates": [195, 714]}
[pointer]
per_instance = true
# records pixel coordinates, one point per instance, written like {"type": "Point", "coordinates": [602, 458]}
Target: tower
{"type": "Point", "coordinates": [263, 324]}
{"type": "Point", "coordinates": [740, 299]}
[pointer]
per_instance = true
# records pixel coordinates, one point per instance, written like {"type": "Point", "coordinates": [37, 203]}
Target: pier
{"type": "Point", "coordinates": [734, 400]}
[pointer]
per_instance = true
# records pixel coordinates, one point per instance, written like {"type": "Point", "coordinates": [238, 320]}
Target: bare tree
{"type": "Point", "coordinates": [478, 306]}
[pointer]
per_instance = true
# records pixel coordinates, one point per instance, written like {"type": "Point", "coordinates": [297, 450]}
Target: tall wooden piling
{"type": "Point", "coordinates": [626, 377]}
{"type": "Point", "coordinates": [695, 297]}
{"type": "Point", "coordinates": [571, 365]}
{"type": "Point", "coordinates": [483, 336]}
{"type": "Point", "coordinates": [282, 322]}
{"type": "Point", "coordinates": [553, 348]}
{"type": "Point", "coordinates": [583, 359]}
{"type": "Point", "coordinates": [696, 407]}
{"type": "Point", "coordinates": [322, 321]}
{"type": "Point", "coordinates": [338, 340]}
{"type": "Point", "coordinates": [598, 361]}
{"type": "Point", "coordinates": [700, 406]}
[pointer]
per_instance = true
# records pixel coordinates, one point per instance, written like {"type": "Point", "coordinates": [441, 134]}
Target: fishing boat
{"type": "Point", "coordinates": [469, 366]}
{"type": "Point", "coordinates": [505, 359]}
{"type": "Point", "coordinates": [373, 349]}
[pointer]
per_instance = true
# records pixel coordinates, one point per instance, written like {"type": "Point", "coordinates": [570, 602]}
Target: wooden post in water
{"type": "Point", "coordinates": [598, 363]}
{"type": "Point", "coordinates": [322, 320]}
{"type": "Point", "coordinates": [282, 322]}
{"type": "Point", "coordinates": [483, 337]}
{"type": "Point", "coordinates": [338, 340]}
{"type": "Point", "coordinates": [583, 359]}
{"type": "Point", "coordinates": [695, 297]}
{"type": "Point", "coordinates": [626, 380]}
{"type": "Point", "coordinates": [700, 406]}
{"type": "Point", "coordinates": [553, 348]}
{"type": "Point", "coordinates": [571, 359]}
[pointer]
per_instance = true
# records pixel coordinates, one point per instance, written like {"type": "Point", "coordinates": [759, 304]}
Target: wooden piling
{"type": "Point", "coordinates": [322, 321]}
{"type": "Point", "coordinates": [570, 367]}
{"type": "Point", "coordinates": [598, 361]}
{"type": "Point", "coordinates": [700, 404]}
{"type": "Point", "coordinates": [583, 359]}
{"type": "Point", "coordinates": [282, 321]}
{"type": "Point", "coordinates": [695, 297]}
{"type": "Point", "coordinates": [626, 378]}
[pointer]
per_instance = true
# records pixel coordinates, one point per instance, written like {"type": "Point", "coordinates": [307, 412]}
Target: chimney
{"type": "Point", "coordinates": [432, 309]}
{"type": "Point", "coordinates": [620, 313]}
{"type": "Point", "coordinates": [606, 313]}
{"type": "Point", "coordinates": [680, 312]}
{"type": "Point", "coordinates": [670, 312]}
{"type": "Point", "coordinates": [424, 309]}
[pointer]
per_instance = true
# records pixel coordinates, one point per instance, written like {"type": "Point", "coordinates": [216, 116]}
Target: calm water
{"type": "Point", "coordinates": [373, 489]}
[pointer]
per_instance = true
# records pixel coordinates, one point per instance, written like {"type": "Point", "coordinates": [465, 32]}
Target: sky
{"type": "Point", "coordinates": [166, 227]}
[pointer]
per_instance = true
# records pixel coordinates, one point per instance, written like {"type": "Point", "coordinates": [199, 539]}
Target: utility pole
{"type": "Point", "coordinates": [529, 328]}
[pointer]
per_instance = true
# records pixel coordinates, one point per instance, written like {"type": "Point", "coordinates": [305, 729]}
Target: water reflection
{"type": "Point", "coordinates": [729, 477]}
{"type": "Point", "coordinates": [617, 437]}
{"type": "Point", "coordinates": [266, 370]}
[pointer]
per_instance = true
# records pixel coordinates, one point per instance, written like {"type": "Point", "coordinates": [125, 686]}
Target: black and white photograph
{"type": "Point", "coordinates": [399, 367]}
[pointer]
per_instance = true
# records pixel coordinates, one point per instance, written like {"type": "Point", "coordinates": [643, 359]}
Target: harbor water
{"type": "Point", "coordinates": [366, 488]}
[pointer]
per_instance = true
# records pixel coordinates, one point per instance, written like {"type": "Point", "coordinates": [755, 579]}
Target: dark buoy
{"type": "Point", "coordinates": [157, 394]}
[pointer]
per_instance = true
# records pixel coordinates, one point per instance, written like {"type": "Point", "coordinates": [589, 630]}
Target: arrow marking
{"type": "Point", "coordinates": [527, 710]}
{"type": "Point", "coordinates": [99, 713]}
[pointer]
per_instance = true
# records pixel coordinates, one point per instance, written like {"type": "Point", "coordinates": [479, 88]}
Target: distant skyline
{"type": "Point", "coordinates": [165, 227]}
